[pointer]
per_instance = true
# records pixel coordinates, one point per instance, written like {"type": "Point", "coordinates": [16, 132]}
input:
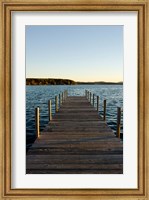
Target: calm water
{"type": "Point", "coordinates": [39, 96]}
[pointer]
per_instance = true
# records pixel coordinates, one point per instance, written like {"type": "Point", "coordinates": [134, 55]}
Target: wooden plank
{"type": "Point", "coordinates": [76, 166]}
{"type": "Point", "coordinates": [75, 145]}
{"type": "Point", "coordinates": [78, 134]}
{"type": "Point", "coordinates": [74, 171]}
{"type": "Point", "coordinates": [70, 136]}
{"type": "Point", "coordinates": [83, 129]}
{"type": "Point", "coordinates": [60, 151]}
{"type": "Point", "coordinates": [82, 140]}
{"type": "Point", "coordinates": [82, 159]}
{"type": "Point", "coordinates": [75, 137]}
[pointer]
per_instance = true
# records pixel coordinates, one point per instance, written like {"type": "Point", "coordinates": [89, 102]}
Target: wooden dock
{"type": "Point", "coordinates": [76, 141]}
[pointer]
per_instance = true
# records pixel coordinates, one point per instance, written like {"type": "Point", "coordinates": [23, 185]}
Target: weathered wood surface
{"type": "Point", "coordinates": [76, 141]}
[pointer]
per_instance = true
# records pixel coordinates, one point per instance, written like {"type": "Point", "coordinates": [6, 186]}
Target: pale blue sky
{"type": "Point", "coordinates": [80, 53]}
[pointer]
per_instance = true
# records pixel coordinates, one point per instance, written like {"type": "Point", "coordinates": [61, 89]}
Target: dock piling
{"type": "Point", "coordinates": [118, 121]}
{"type": "Point", "coordinates": [37, 122]}
{"type": "Point", "coordinates": [56, 104]}
{"type": "Point", "coordinates": [65, 94]}
{"type": "Point", "coordinates": [62, 97]}
{"type": "Point", "coordinates": [50, 110]}
{"type": "Point", "coordinates": [59, 100]}
{"type": "Point", "coordinates": [90, 97]}
{"type": "Point", "coordinates": [97, 103]}
{"type": "Point", "coordinates": [104, 112]}
{"type": "Point", "coordinates": [93, 99]}
{"type": "Point", "coordinates": [86, 93]}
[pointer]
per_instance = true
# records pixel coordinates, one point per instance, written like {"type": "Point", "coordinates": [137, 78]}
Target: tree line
{"type": "Point", "coordinates": [49, 81]}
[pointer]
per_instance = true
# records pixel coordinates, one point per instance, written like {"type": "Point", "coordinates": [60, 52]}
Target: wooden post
{"type": "Point", "coordinates": [59, 100]}
{"type": "Point", "coordinates": [56, 104]}
{"type": "Point", "coordinates": [50, 110]}
{"type": "Point", "coordinates": [93, 98]}
{"type": "Point", "coordinates": [97, 103]}
{"type": "Point", "coordinates": [66, 93]}
{"type": "Point", "coordinates": [104, 112]}
{"type": "Point", "coordinates": [118, 121]}
{"type": "Point", "coordinates": [62, 97]}
{"type": "Point", "coordinates": [37, 122]}
{"type": "Point", "coordinates": [90, 97]}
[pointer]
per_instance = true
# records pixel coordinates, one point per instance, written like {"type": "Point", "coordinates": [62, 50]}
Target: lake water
{"type": "Point", "coordinates": [39, 96]}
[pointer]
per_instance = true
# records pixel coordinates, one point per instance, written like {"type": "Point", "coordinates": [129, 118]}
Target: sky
{"type": "Point", "coordinates": [80, 53]}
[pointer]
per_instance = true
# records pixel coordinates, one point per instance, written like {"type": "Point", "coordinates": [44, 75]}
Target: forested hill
{"type": "Point", "coordinates": [49, 81]}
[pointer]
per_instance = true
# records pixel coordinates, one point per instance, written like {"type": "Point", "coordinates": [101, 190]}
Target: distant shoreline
{"type": "Point", "coordinates": [53, 81]}
{"type": "Point", "coordinates": [99, 83]}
